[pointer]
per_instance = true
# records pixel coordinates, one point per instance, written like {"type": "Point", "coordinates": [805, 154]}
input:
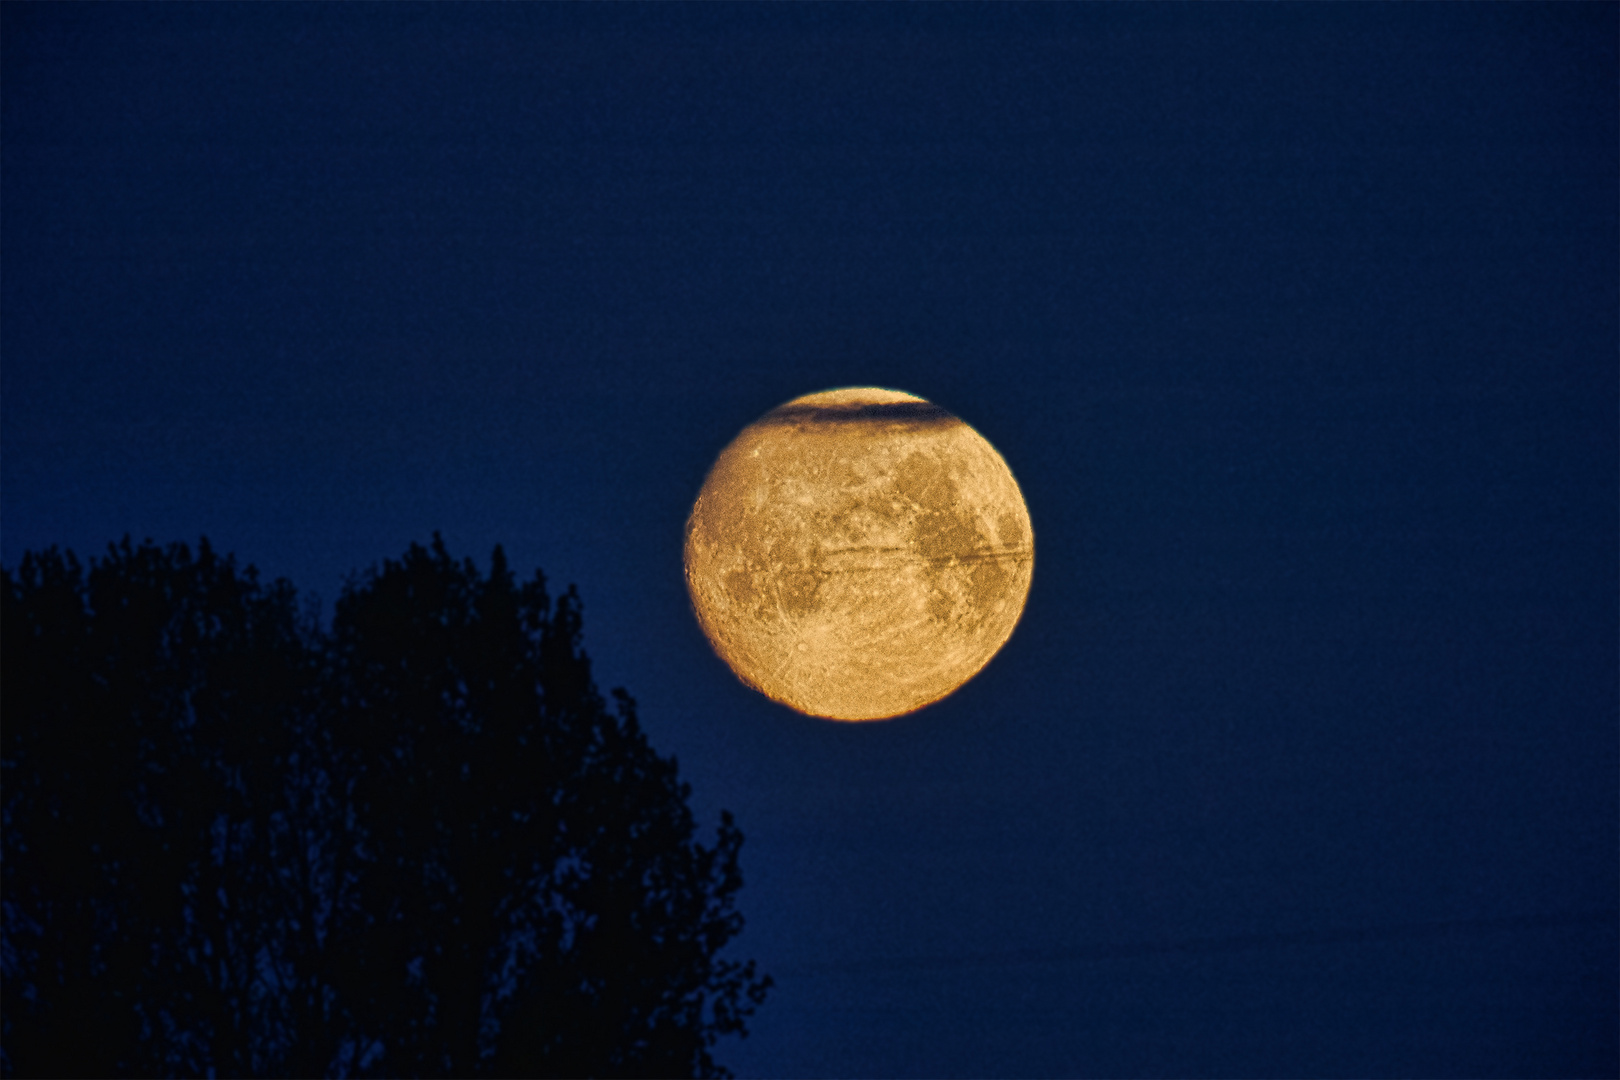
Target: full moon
{"type": "Point", "coordinates": [858, 553]}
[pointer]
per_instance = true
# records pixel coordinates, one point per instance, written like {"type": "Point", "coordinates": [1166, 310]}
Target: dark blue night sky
{"type": "Point", "coordinates": [1297, 325]}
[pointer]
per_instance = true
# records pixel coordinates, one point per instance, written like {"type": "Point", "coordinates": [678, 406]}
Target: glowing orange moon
{"type": "Point", "coordinates": [858, 553]}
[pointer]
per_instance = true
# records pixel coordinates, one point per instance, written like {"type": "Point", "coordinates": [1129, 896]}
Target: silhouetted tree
{"type": "Point", "coordinates": [150, 714]}
{"type": "Point", "coordinates": [420, 843]}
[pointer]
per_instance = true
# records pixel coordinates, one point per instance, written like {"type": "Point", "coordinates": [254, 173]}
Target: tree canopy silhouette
{"type": "Point", "coordinates": [418, 842]}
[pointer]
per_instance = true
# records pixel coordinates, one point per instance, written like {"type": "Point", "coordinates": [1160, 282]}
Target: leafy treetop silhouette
{"type": "Point", "coordinates": [416, 843]}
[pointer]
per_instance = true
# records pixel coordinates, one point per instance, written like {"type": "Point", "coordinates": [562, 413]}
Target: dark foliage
{"type": "Point", "coordinates": [416, 843]}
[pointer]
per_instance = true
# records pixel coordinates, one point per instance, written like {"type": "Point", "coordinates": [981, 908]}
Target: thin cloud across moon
{"type": "Point", "coordinates": [858, 553]}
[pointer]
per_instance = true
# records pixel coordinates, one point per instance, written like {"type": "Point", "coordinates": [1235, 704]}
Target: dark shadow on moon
{"type": "Point", "coordinates": [910, 413]}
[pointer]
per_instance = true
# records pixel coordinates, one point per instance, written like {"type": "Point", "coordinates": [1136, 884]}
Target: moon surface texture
{"type": "Point", "coordinates": [858, 553]}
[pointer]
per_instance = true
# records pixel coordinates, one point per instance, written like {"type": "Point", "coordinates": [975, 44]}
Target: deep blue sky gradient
{"type": "Point", "coordinates": [1297, 324]}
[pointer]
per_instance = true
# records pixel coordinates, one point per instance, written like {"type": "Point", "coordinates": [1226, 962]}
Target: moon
{"type": "Point", "coordinates": [858, 553]}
